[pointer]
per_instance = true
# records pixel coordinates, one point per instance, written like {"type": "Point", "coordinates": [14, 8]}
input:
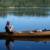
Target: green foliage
{"type": "Point", "coordinates": [28, 4]}
{"type": "Point", "coordinates": [25, 3]}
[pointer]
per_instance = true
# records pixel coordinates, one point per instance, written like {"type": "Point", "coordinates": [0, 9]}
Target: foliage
{"type": "Point", "coordinates": [32, 7]}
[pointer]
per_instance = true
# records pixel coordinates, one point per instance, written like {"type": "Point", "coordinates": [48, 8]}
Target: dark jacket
{"type": "Point", "coordinates": [7, 30]}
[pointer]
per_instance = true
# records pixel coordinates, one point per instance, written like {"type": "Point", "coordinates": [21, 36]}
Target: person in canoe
{"type": "Point", "coordinates": [9, 30]}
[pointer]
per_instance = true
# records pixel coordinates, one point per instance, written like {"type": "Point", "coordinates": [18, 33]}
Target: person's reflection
{"type": "Point", "coordinates": [8, 45]}
{"type": "Point", "coordinates": [9, 30]}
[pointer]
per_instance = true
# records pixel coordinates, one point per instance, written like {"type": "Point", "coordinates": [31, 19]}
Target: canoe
{"type": "Point", "coordinates": [27, 36]}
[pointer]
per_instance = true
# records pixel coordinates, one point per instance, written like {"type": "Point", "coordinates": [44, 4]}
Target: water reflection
{"type": "Point", "coordinates": [25, 45]}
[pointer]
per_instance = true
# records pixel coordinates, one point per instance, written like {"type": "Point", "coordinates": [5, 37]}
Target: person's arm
{"type": "Point", "coordinates": [11, 28]}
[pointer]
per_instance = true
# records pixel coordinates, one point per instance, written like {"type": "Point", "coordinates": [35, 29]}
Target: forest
{"type": "Point", "coordinates": [25, 7]}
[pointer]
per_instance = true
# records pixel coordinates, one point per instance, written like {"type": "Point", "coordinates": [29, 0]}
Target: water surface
{"type": "Point", "coordinates": [26, 45]}
{"type": "Point", "coordinates": [25, 23]}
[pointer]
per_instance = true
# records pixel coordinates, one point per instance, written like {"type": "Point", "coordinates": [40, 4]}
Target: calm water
{"type": "Point", "coordinates": [26, 45]}
{"type": "Point", "coordinates": [25, 23]}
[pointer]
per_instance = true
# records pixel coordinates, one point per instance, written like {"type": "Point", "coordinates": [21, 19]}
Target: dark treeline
{"type": "Point", "coordinates": [25, 3]}
{"type": "Point", "coordinates": [25, 7]}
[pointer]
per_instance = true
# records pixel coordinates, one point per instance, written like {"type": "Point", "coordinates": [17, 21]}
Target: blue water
{"type": "Point", "coordinates": [25, 23]}
{"type": "Point", "coordinates": [26, 45]}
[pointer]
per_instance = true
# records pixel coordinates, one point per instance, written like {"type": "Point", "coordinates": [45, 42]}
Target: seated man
{"type": "Point", "coordinates": [9, 27]}
{"type": "Point", "coordinates": [9, 30]}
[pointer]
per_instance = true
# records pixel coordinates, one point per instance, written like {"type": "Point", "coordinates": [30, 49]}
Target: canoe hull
{"type": "Point", "coordinates": [34, 36]}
